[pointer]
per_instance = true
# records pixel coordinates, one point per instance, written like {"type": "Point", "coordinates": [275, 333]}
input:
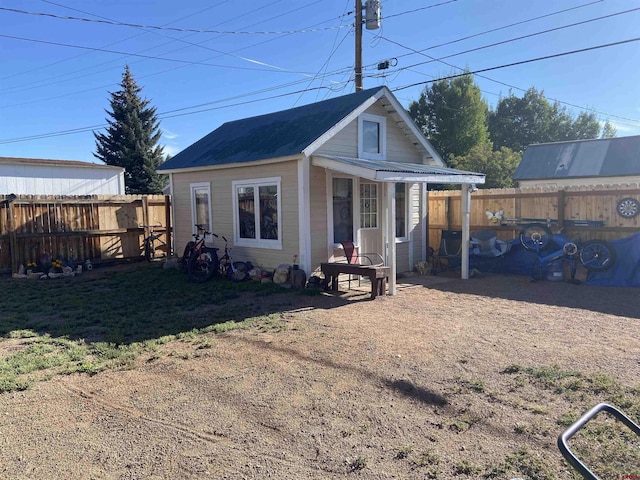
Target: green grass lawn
{"type": "Point", "coordinates": [107, 319]}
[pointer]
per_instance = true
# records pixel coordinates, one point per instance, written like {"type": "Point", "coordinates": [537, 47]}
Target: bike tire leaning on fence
{"type": "Point", "coordinates": [186, 255]}
{"type": "Point", "coordinates": [149, 250]}
{"type": "Point", "coordinates": [203, 265]}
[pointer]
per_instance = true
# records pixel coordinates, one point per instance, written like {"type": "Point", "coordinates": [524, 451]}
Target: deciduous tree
{"type": "Point", "coordinates": [498, 166]}
{"type": "Point", "coordinates": [452, 115]}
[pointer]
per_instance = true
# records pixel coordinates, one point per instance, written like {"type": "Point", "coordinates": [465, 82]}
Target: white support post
{"type": "Point", "coordinates": [391, 234]}
{"type": "Point", "coordinates": [304, 215]}
{"type": "Point", "coordinates": [466, 209]}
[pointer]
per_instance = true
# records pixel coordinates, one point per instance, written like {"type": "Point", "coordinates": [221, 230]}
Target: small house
{"type": "Point", "coordinates": [301, 181]}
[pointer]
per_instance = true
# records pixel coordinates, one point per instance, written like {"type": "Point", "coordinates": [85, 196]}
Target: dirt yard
{"type": "Point", "coordinates": [427, 384]}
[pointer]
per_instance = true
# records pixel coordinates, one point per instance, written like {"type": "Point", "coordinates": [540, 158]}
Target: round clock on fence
{"type": "Point", "coordinates": [628, 207]}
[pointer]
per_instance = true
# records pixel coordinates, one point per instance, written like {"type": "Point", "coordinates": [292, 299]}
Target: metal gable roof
{"type": "Point", "coordinates": [582, 158]}
{"type": "Point", "coordinates": [386, 171]}
{"type": "Point", "coordinates": [273, 135]}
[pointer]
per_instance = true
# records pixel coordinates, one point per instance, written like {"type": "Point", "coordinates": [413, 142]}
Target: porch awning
{"type": "Point", "coordinates": [385, 171]}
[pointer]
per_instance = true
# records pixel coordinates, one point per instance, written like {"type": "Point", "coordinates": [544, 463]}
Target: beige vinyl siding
{"type": "Point", "coordinates": [222, 209]}
{"type": "Point", "coordinates": [402, 256]}
{"type": "Point", "coordinates": [345, 142]}
{"type": "Point", "coordinates": [318, 224]}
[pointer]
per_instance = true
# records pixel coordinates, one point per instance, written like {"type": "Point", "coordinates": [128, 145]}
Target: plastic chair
{"type": "Point", "coordinates": [450, 249]}
{"type": "Point", "coordinates": [488, 248]}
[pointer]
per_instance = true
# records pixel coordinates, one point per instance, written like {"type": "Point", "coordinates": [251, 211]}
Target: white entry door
{"type": "Point", "coordinates": [370, 213]}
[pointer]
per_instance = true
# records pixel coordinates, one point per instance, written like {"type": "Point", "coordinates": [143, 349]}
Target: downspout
{"type": "Point", "coordinates": [466, 209]}
{"type": "Point", "coordinates": [304, 215]}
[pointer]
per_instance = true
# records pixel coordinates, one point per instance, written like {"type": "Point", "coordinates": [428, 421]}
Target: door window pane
{"type": "Point", "coordinates": [342, 209]}
{"type": "Point", "coordinates": [368, 205]}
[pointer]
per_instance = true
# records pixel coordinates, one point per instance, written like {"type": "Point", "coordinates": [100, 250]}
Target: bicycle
{"type": "Point", "coordinates": [563, 439]}
{"type": "Point", "coordinates": [150, 242]}
{"type": "Point", "coordinates": [201, 261]}
{"type": "Point", "coordinates": [594, 255]}
{"type": "Point", "coordinates": [237, 271]}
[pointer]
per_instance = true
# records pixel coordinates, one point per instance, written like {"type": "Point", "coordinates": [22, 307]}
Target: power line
{"type": "Point", "coordinates": [165, 116]}
{"type": "Point", "coordinates": [418, 9]}
{"type": "Point", "coordinates": [16, 89]}
{"type": "Point", "coordinates": [506, 26]}
{"type": "Point", "coordinates": [108, 45]}
{"type": "Point", "coordinates": [522, 62]}
{"type": "Point", "coordinates": [503, 42]}
{"type": "Point", "coordinates": [151, 57]}
{"type": "Point", "coordinates": [512, 86]}
{"type": "Point", "coordinates": [172, 29]}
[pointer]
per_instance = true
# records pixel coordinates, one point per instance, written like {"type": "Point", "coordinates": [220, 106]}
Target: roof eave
{"type": "Point", "coordinates": [251, 163]}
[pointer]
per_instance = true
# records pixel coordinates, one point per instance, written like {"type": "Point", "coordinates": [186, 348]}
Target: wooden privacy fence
{"type": "Point", "coordinates": [98, 228]}
{"type": "Point", "coordinates": [582, 212]}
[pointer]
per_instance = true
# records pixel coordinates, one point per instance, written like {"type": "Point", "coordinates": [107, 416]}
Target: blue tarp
{"type": "Point", "coordinates": [625, 272]}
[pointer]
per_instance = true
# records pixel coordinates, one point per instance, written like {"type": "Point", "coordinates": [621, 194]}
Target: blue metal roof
{"type": "Point", "coordinates": [582, 158]}
{"type": "Point", "coordinates": [273, 135]}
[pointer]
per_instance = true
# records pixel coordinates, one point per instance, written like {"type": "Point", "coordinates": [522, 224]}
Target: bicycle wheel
{"type": "Point", "coordinates": [186, 255]}
{"type": "Point", "coordinates": [240, 272]}
{"type": "Point", "coordinates": [535, 237]}
{"type": "Point", "coordinates": [597, 255]}
{"type": "Point", "coordinates": [149, 250]}
{"type": "Point", "coordinates": [202, 266]}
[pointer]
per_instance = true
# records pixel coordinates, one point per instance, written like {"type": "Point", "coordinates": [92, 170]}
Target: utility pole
{"type": "Point", "coordinates": [359, 46]}
{"type": "Point", "coordinates": [373, 23]}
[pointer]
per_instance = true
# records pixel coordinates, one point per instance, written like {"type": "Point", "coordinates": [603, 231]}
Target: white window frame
{"type": "Point", "coordinates": [193, 187]}
{"type": "Point", "coordinates": [407, 212]}
{"type": "Point", "coordinates": [382, 141]}
{"type": "Point", "coordinates": [256, 183]}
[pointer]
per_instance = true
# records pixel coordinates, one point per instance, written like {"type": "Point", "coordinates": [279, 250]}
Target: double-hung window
{"type": "Point", "coordinates": [257, 213]}
{"type": "Point", "coordinates": [372, 134]}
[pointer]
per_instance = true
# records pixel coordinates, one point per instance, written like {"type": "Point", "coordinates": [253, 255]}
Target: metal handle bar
{"type": "Point", "coordinates": [578, 424]}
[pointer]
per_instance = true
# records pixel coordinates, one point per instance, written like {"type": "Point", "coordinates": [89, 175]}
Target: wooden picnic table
{"type": "Point", "coordinates": [377, 275]}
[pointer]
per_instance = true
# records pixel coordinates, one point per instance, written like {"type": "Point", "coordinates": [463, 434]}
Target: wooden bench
{"type": "Point", "coordinates": [377, 275]}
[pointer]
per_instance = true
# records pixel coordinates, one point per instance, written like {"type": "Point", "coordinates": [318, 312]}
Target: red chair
{"type": "Point", "coordinates": [355, 258]}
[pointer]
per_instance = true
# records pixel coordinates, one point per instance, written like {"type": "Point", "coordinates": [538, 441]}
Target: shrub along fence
{"type": "Point", "coordinates": [99, 228]}
{"type": "Point", "coordinates": [580, 212]}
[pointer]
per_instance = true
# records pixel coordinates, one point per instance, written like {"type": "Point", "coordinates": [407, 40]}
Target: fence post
{"type": "Point", "coordinates": [13, 239]}
{"type": "Point", "coordinates": [561, 199]}
{"type": "Point", "coordinates": [448, 207]}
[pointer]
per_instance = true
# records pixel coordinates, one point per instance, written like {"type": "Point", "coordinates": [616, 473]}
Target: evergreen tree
{"type": "Point", "coordinates": [452, 115]}
{"type": "Point", "coordinates": [131, 139]}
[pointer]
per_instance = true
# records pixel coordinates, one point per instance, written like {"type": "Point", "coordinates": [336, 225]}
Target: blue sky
{"type": "Point", "coordinates": [199, 80]}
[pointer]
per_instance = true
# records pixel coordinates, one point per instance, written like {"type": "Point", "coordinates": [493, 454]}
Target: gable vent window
{"type": "Point", "coordinates": [372, 134]}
